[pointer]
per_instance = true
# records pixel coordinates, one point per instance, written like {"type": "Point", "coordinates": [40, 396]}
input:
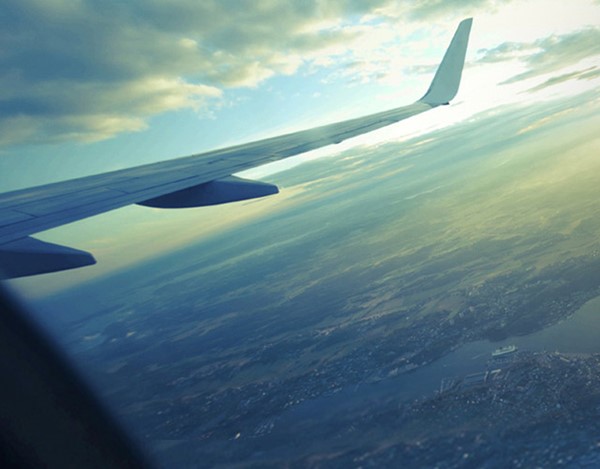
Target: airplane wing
{"type": "Point", "coordinates": [192, 181]}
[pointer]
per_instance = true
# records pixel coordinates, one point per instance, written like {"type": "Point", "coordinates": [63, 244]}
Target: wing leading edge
{"type": "Point", "coordinates": [192, 181]}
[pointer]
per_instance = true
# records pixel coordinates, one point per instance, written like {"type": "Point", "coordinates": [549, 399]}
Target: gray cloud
{"type": "Point", "coordinates": [87, 70]}
{"type": "Point", "coordinates": [548, 54]}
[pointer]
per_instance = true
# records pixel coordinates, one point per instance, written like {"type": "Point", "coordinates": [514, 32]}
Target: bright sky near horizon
{"type": "Point", "coordinates": [91, 86]}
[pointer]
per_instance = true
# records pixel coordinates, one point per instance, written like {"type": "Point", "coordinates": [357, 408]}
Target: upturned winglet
{"type": "Point", "coordinates": [445, 83]}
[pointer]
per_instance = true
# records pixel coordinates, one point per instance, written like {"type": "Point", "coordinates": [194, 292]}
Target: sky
{"type": "Point", "coordinates": [88, 86]}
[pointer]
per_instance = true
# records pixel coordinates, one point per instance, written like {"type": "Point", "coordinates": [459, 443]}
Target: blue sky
{"type": "Point", "coordinates": [91, 86]}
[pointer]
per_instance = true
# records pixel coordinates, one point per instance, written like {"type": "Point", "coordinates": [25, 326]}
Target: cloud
{"type": "Point", "coordinates": [89, 69]}
{"type": "Point", "coordinates": [587, 74]}
{"type": "Point", "coordinates": [433, 9]}
{"type": "Point", "coordinates": [546, 55]}
{"type": "Point", "coordinates": [59, 110]}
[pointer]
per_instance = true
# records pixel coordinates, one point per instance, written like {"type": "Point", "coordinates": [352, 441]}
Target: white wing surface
{"type": "Point", "coordinates": [192, 181]}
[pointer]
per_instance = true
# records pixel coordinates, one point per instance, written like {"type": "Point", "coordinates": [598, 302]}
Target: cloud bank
{"type": "Point", "coordinates": [86, 70]}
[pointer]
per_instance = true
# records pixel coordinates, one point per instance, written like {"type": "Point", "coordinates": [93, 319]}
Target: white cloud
{"type": "Point", "coordinates": [547, 54]}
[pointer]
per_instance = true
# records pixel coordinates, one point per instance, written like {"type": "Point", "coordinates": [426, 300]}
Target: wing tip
{"type": "Point", "coordinates": [446, 81]}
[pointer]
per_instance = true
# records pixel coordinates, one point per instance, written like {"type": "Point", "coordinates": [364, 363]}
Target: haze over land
{"type": "Point", "coordinates": [384, 260]}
